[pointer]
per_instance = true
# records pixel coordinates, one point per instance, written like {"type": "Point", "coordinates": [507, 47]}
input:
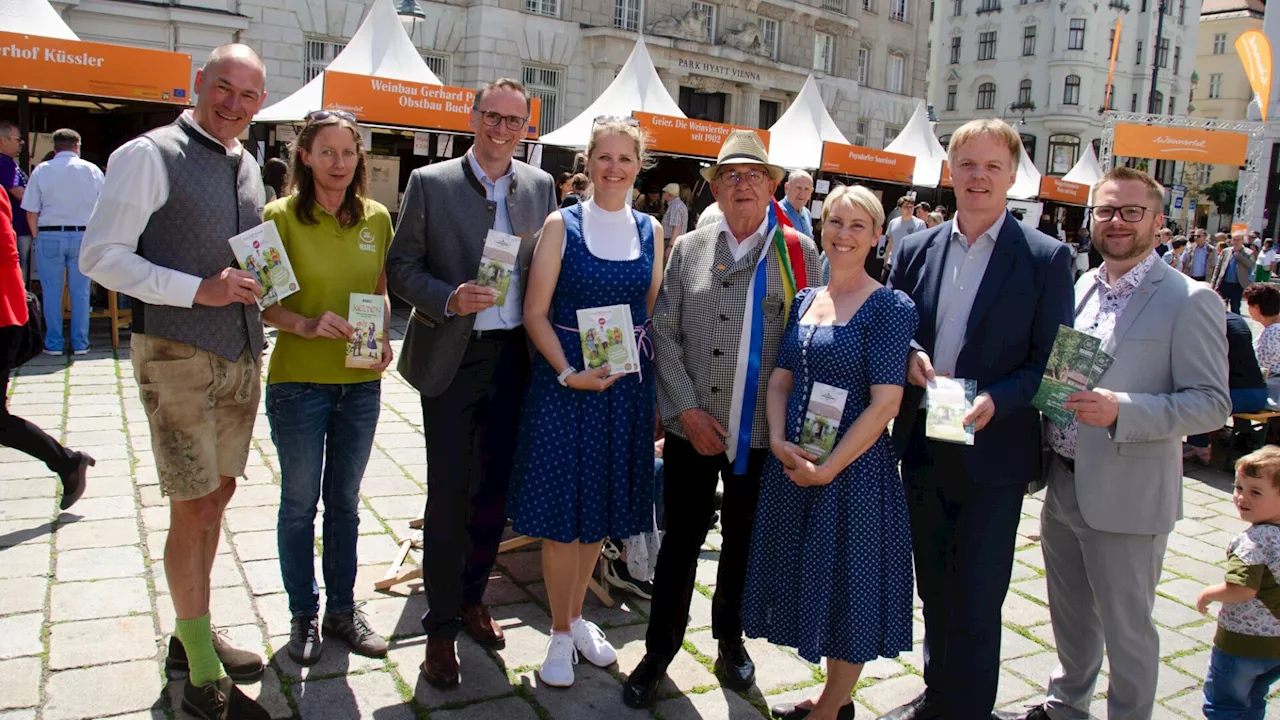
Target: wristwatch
{"type": "Point", "coordinates": [564, 375]}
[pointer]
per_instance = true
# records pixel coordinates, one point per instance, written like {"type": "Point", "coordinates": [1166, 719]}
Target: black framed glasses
{"type": "Point", "coordinates": [514, 123]}
{"type": "Point", "coordinates": [1128, 213]}
{"type": "Point", "coordinates": [624, 119]}
{"type": "Point", "coordinates": [322, 115]}
{"type": "Point", "coordinates": [753, 178]}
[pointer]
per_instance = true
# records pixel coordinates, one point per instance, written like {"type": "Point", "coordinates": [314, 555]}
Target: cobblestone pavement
{"type": "Point", "coordinates": [85, 612]}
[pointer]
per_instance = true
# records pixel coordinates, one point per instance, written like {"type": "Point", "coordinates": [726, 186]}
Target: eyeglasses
{"type": "Point", "coordinates": [1128, 213]}
{"type": "Point", "coordinates": [624, 119]}
{"type": "Point", "coordinates": [493, 119]}
{"type": "Point", "coordinates": [322, 115]}
{"type": "Point", "coordinates": [733, 177]}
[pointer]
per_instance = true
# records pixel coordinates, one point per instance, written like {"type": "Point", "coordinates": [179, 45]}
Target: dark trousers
{"type": "Point", "coordinates": [471, 438]}
{"type": "Point", "coordinates": [689, 499]}
{"type": "Point", "coordinates": [963, 535]}
{"type": "Point", "coordinates": [1231, 292]}
{"type": "Point", "coordinates": [20, 434]}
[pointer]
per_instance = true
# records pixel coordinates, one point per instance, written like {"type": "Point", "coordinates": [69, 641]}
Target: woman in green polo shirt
{"type": "Point", "coordinates": [323, 413]}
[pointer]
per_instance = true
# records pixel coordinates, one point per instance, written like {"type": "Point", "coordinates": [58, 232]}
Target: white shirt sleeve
{"type": "Point", "coordinates": [135, 187]}
{"type": "Point", "coordinates": [31, 197]}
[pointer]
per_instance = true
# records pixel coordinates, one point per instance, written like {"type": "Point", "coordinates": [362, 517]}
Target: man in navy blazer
{"type": "Point", "coordinates": [991, 293]}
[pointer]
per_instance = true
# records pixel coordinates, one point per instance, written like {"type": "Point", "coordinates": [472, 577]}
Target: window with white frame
{"type": "Point", "coordinates": [955, 50]}
{"type": "Point", "coordinates": [546, 85]}
{"type": "Point", "coordinates": [439, 64]}
{"type": "Point", "coordinates": [864, 65]}
{"type": "Point", "coordinates": [1219, 43]}
{"type": "Point", "coordinates": [1177, 59]}
{"type": "Point", "coordinates": [957, 7]}
{"type": "Point", "coordinates": [626, 15]}
{"type": "Point", "coordinates": [987, 96]}
{"type": "Point", "coordinates": [987, 45]}
{"type": "Point", "coordinates": [1024, 93]}
{"type": "Point", "coordinates": [838, 6]}
{"type": "Point", "coordinates": [860, 133]}
{"type": "Point", "coordinates": [1206, 174]}
{"type": "Point", "coordinates": [1075, 34]}
{"type": "Point", "coordinates": [824, 52]}
{"type": "Point", "coordinates": [890, 134]}
{"type": "Point", "coordinates": [1162, 53]}
{"type": "Point", "coordinates": [1029, 41]}
{"type": "Point", "coordinates": [1138, 59]}
{"type": "Point", "coordinates": [1071, 90]}
{"type": "Point", "coordinates": [550, 8]}
{"type": "Point", "coordinates": [867, 5]}
{"type": "Point", "coordinates": [708, 18]}
{"type": "Point", "coordinates": [769, 35]}
{"type": "Point", "coordinates": [1215, 85]}
{"type": "Point", "coordinates": [899, 11]}
{"type": "Point", "coordinates": [951, 96]}
{"type": "Point", "coordinates": [896, 72]}
{"type": "Point", "coordinates": [318, 55]}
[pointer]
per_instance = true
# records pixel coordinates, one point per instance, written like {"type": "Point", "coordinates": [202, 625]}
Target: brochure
{"type": "Point", "coordinates": [608, 338]}
{"type": "Point", "coordinates": [366, 313]}
{"type": "Point", "coordinates": [1076, 362]}
{"type": "Point", "coordinates": [822, 419]}
{"type": "Point", "coordinates": [261, 251]}
{"type": "Point", "coordinates": [498, 262]}
{"type": "Point", "coordinates": [948, 401]}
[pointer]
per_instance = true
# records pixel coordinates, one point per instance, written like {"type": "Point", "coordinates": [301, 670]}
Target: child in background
{"type": "Point", "coordinates": [1246, 648]}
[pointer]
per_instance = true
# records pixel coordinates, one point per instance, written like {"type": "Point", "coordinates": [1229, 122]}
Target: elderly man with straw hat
{"type": "Point", "coordinates": [718, 323]}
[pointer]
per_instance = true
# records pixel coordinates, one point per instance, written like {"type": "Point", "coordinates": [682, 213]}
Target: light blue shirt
{"type": "Point", "coordinates": [800, 218]}
{"type": "Point", "coordinates": [1229, 272]}
{"type": "Point", "coordinates": [965, 266]}
{"type": "Point", "coordinates": [511, 314]}
{"type": "Point", "coordinates": [63, 190]}
{"type": "Point", "coordinates": [1199, 257]}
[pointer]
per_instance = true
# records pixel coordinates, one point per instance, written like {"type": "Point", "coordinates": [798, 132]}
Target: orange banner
{"type": "Point", "coordinates": [399, 102]}
{"type": "Point", "coordinates": [73, 67]}
{"type": "Point", "coordinates": [1111, 74]}
{"type": "Point", "coordinates": [686, 136]}
{"type": "Point", "coordinates": [945, 180]}
{"type": "Point", "coordinates": [1239, 228]}
{"type": "Point", "coordinates": [1172, 143]}
{"type": "Point", "coordinates": [1255, 53]}
{"type": "Point", "coordinates": [867, 163]}
{"type": "Point", "coordinates": [1059, 190]}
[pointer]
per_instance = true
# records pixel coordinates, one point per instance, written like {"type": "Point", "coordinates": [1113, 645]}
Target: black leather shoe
{"type": "Point", "coordinates": [917, 709]}
{"type": "Point", "coordinates": [75, 480]}
{"type": "Point", "coordinates": [1034, 712]}
{"type": "Point", "coordinates": [641, 686]}
{"type": "Point", "coordinates": [789, 711]}
{"type": "Point", "coordinates": [734, 666]}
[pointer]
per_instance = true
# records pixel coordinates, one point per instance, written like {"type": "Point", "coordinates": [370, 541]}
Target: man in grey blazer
{"type": "Point", "coordinates": [1115, 477]}
{"type": "Point", "coordinates": [1235, 270]}
{"type": "Point", "coordinates": [468, 356]}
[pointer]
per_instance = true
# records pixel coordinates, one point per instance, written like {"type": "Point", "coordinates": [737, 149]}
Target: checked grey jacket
{"type": "Point", "coordinates": [697, 326]}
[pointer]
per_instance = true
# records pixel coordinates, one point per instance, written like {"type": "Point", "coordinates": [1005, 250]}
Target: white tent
{"type": "Point", "coordinates": [917, 140]}
{"type": "Point", "coordinates": [1027, 185]}
{"type": "Point", "coordinates": [34, 17]}
{"type": "Point", "coordinates": [380, 48]}
{"type": "Point", "coordinates": [1086, 170]}
{"type": "Point", "coordinates": [795, 141]}
{"type": "Point", "coordinates": [636, 88]}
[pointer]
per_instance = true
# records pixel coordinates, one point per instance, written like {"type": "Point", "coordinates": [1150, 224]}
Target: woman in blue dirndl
{"type": "Point", "coordinates": [830, 566]}
{"type": "Point", "coordinates": [584, 455]}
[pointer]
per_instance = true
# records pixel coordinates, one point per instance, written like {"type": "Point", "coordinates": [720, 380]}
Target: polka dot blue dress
{"type": "Point", "coordinates": [830, 567]}
{"type": "Point", "coordinates": [584, 460]}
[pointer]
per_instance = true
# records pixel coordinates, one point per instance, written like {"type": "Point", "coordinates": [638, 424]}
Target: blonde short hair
{"type": "Point", "coordinates": [988, 127]}
{"type": "Point", "coordinates": [1120, 173]}
{"type": "Point", "coordinates": [858, 196]}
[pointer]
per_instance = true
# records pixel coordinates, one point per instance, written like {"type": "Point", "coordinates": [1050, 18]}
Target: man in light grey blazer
{"type": "Point", "coordinates": [468, 356]}
{"type": "Point", "coordinates": [1115, 476]}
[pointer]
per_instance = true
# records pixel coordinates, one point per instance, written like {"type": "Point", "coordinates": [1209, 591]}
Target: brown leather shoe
{"type": "Point", "coordinates": [441, 665]}
{"type": "Point", "coordinates": [480, 626]}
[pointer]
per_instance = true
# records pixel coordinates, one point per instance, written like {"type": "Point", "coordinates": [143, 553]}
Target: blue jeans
{"type": "Point", "coordinates": [1237, 687]}
{"type": "Point", "coordinates": [1242, 401]}
{"type": "Point", "coordinates": [55, 252]}
{"type": "Point", "coordinates": [324, 434]}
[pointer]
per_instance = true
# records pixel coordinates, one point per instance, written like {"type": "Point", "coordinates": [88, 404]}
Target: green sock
{"type": "Point", "coordinates": [198, 641]}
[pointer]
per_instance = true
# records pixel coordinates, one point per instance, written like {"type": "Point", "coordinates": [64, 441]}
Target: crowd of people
{"type": "Point", "coordinates": [747, 334]}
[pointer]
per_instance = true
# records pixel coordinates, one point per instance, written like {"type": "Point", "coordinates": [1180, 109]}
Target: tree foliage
{"type": "Point", "coordinates": [1223, 195]}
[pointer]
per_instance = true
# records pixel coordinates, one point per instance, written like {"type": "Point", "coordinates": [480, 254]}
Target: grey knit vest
{"type": "Point", "coordinates": [213, 196]}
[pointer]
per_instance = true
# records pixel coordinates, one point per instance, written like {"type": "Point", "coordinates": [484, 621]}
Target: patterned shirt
{"type": "Point", "coordinates": [1252, 628]}
{"type": "Point", "coordinates": [1098, 318]}
{"type": "Point", "coordinates": [1267, 348]}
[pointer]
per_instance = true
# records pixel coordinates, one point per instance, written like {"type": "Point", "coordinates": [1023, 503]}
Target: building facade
{"type": "Point", "coordinates": [1221, 89]}
{"type": "Point", "coordinates": [733, 62]}
{"type": "Point", "coordinates": [1043, 66]}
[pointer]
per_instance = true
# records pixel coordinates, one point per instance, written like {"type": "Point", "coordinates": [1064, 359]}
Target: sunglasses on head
{"type": "Point", "coordinates": [322, 115]}
{"type": "Point", "coordinates": [624, 119]}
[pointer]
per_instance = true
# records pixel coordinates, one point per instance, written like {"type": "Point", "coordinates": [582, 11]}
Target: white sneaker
{"type": "Point", "coordinates": [588, 638]}
{"type": "Point", "coordinates": [557, 669]}
{"type": "Point", "coordinates": [52, 353]}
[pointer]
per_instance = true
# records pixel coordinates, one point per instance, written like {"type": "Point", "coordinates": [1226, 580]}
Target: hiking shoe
{"type": "Point", "coordinates": [220, 700]}
{"type": "Point", "coordinates": [354, 628]}
{"type": "Point", "coordinates": [304, 639]}
{"type": "Point", "coordinates": [242, 666]}
{"type": "Point", "coordinates": [617, 575]}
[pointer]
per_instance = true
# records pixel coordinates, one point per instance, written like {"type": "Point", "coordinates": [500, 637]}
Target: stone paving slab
{"type": "Point", "coordinates": [85, 613]}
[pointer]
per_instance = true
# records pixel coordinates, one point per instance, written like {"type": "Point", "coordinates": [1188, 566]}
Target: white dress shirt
{"type": "Point", "coordinates": [63, 190]}
{"type": "Point", "coordinates": [137, 186]}
{"type": "Point", "coordinates": [739, 249]}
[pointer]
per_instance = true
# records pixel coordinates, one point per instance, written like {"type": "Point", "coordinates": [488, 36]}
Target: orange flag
{"type": "Point", "coordinates": [1255, 53]}
{"type": "Point", "coordinates": [1111, 74]}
